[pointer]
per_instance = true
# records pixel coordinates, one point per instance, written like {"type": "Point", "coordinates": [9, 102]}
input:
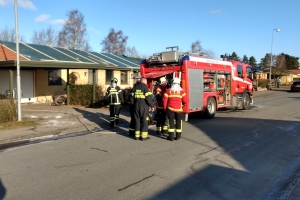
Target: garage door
{"type": "Point", "coordinates": [27, 84]}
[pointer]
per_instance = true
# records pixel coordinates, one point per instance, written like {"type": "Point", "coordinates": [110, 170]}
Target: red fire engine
{"type": "Point", "coordinates": [210, 84]}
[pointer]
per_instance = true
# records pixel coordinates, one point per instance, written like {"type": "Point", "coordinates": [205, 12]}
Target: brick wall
{"type": "Point", "coordinates": [43, 91]}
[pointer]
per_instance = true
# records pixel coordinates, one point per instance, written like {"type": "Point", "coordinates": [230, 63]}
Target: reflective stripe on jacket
{"type": "Point", "coordinates": [141, 94]}
{"type": "Point", "coordinates": [173, 100]}
{"type": "Point", "coordinates": [114, 95]}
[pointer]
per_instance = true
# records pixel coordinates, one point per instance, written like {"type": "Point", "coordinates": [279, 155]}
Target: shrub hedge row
{"type": "Point", "coordinates": [82, 95]}
{"type": "Point", "coordinates": [8, 109]}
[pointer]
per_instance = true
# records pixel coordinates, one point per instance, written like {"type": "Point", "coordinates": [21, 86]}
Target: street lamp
{"type": "Point", "coordinates": [277, 30]}
{"type": "Point", "coordinates": [18, 63]}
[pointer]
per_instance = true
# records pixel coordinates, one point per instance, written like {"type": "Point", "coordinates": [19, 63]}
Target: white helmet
{"type": "Point", "coordinates": [163, 79]}
{"type": "Point", "coordinates": [176, 81]}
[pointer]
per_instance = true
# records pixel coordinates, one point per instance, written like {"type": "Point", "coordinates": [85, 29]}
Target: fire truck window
{"type": "Point", "coordinates": [249, 73]}
{"type": "Point", "coordinates": [240, 71]}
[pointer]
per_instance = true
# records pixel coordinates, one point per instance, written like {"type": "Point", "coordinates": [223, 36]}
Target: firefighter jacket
{"type": "Point", "coordinates": [159, 94]}
{"type": "Point", "coordinates": [114, 95]}
{"type": "Point", "coordinates": [141, 94]}
{"type": "Point", "coordinates": [173, 100]}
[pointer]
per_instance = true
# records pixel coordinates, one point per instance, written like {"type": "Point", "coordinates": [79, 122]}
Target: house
{"type": "Point", "coordinates": [295, 73]}
{"type": "Point", "coordinates": [285, 75]}
{"type": "Point", "coordinates": [46, 71]}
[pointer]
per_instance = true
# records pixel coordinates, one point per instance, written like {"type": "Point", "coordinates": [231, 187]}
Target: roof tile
{"type": "Point", "coordinates": [7, 54]}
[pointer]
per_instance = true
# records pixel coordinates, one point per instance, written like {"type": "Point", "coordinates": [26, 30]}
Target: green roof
{"type": "Point", "coordinates": [27, 52]}
{"type": "Point", "coordinates": [53, 57]}
{"type": "Point", "coordinates": [56, 55]}
{"type": "Point", "coordinates": [74, 55]}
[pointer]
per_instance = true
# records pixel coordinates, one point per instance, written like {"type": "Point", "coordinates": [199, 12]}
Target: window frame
{"type": "Point", "coordinates": [90, 76]}
{"type": "Point", "coordinates": [126, 75]}
{"type": "Point", "coordinates": [50, 77]}
{"type": "Point", "coordinates": [239, 71]}
{"type": "Point", "coordinates": [108, 79]}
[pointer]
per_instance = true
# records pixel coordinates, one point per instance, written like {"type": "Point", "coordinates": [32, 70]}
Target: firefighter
{"type": "Point", "coordinates": [161, 125]}
{"type": "Point", "coordinates": [131, 111]}
{"type": "Point", "coordinates": [142, 100]}
{"type": "Point", "coordinates": [115, 99]}
{"type": "Point", "coordinates": [174, 99]}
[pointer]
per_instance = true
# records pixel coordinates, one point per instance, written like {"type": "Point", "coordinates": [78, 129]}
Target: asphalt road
{"type": "Point", "coordinates": [251, 154]}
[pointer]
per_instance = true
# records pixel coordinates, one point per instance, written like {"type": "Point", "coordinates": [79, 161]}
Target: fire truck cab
{"type": "Point", "coordinates": [210, 84]}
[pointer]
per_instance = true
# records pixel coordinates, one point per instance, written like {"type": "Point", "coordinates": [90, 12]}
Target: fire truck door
{"type": "Point", "coordinates": [195, 85]}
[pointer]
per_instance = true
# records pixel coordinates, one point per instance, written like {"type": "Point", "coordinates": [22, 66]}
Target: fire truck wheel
{"type": "Point", "coordinates": [246, 101]}
{"type": "Point", "coordinates": [210, 110]}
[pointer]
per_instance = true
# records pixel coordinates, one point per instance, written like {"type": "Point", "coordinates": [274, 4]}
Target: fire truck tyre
{"type": "Point", "coordinates": [210, 110]}
{"type": "Point", "coordinates": [246, 101]}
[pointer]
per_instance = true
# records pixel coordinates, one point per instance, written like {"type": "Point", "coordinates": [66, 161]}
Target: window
{"type": "Point", "coordinates": [249, 73]}
{"type": "Point", "coordinates": [124, 77]}
{"type": "Point", "coordinates": [133, 75]}
{"type": "Point", "coordinates": [240, 71]}
{"type": "Point", "coordinates": [109, 76]}
{"type": "Point", "coordinates": [91, 76]}
{"type": "Point", "coordinates": [54, 77]}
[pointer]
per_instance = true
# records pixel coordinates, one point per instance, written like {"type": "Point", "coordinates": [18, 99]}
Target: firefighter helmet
{"type": "Point", "coordinates": [114, 80]}
{"type": "Point", "coordinates": [163, 79]}
{"type": "Point", "coordinates": [176, 81]}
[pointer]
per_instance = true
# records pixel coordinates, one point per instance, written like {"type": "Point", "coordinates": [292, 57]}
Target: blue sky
{"type": "Point", "coordinates": [245, 27]}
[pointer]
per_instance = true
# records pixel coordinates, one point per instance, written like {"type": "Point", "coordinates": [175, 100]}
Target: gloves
{"type": "Point", "coordinates": [151, 109]}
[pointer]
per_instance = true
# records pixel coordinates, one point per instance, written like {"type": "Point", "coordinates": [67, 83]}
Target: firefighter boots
{"type": "Point", "coordinates": [117, 122]}
{"type": "Point", "coordinates": [112, 124]}
{"type": "Point", "coordinates": [178, 136]}
{"type": "Point", "coordinates": [171, 136]}
{"type": "Point", "coordinates": [164, 132]}
{"type": "Point", "coordinates": [159, 133]}
{"type": "Point", "coordinates": [131, 133]}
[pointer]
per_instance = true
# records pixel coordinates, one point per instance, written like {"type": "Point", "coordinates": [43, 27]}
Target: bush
{"type": "Point", "coordinates": [8, 109]}
{"type": "Point", "coordinates": [262, 83]}
{"type": "Point", "coordinates": [82, 95]}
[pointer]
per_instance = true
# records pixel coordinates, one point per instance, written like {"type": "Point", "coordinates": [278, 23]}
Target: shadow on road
{"type": "Point", "coordinates": [2, 190]}
{"type": "Point", "coordinates": [250, 159]}
{"type": "Point", "coordinates": [103, 120]}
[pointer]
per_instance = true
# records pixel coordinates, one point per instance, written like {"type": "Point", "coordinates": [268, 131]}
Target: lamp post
{"type": "Point", "coordinates": [277, 30]}
{"type": "Point", "coordinates": [18, 63]}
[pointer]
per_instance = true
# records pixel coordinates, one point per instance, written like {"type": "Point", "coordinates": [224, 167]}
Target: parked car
{"type": "Point", "coordinates": [295, 86]}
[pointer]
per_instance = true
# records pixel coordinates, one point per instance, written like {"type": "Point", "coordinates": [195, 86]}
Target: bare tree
{"type": "Point", "coordinates": [73, 33]}
{"type": "Point", "coordinates": [9, 35]}
{"type": "Point", "coordinates": [280, 61]}
{"type": "Point", "coordinates": [132, 52]}
{"type": "Point", "coordinates": [45, 37]}
{"type": "Point", "coordinates": [280, 65]}
{"type": "Point", "coordinates": [196, 47]}
{"type": "Point", "coordinates": [87, 47]}
{"type": "Point", "coordinates": [209, 53]}
{"type": "Point", "coordinates": [144, 55]}
{"type": "Point", "coordinates": [115, 42]}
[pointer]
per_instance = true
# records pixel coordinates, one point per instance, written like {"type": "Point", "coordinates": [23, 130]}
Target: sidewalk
{"type": "Point", "coordinates": [59, 121]}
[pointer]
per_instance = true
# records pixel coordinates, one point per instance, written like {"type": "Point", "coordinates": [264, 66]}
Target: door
{"type": "Point", "coordinates": [27, 84]}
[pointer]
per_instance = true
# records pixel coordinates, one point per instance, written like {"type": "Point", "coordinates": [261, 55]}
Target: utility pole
{"type": "Point", "coordinates": [18, 63]}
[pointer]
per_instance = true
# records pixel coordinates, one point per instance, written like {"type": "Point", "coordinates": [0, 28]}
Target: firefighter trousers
{"type": "Point", "coordinates": [140, 116]}
{"type": "Point", "coordinates": [177, 117]}
{"type": "Point", "coordinates": [132, 121]}
{"type": "Point", "coordinates": [114, 111]}
{"type": "Point", "coordinates": [161, 125]}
